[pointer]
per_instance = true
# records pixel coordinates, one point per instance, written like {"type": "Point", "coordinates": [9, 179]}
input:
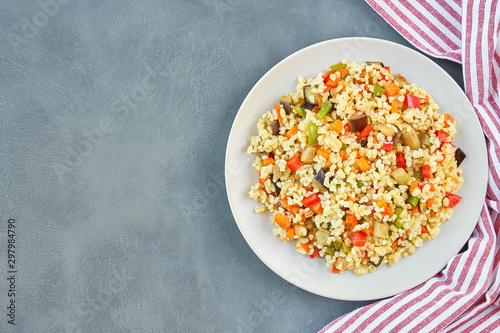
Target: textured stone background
{"type": "Point", "coordinates": [114, 119]}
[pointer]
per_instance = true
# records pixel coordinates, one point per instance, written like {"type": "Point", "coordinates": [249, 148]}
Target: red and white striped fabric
{"type": "Point", "coordinates": [465, 296]}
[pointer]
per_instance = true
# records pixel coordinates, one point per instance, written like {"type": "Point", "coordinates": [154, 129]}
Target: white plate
{"type": "Point", "coordinates": [312, 275]}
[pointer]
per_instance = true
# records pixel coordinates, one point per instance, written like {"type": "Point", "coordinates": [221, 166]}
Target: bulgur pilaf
{"type": "Point", "coordinates": [356, 166]}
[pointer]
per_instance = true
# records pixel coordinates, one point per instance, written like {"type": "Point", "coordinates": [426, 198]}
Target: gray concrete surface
{"type": "Point", "coordinates": [114, 120]}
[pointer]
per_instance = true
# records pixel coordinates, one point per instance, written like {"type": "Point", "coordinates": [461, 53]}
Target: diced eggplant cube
{"type": "Point", "coordinates": [358, 122]}
{"type": "Point", "coordinates": [459, 156]}
{"type": "Point", "coordinates": [275, 127]}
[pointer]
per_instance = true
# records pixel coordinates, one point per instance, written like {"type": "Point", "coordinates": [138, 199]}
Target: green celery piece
{"type": "Point", "coordinates": [299, 111]}
{"type": "Point", "coordinates": [412, 200]}
{"type": "Point", "coordinates": [335, 67]}
{"type": "Point", "coordinates": [337, 245]}
{"type": "Point", "coordinates": [398, 212]}
{"type": "Point", "coordinates": [330, 251]}
{"type": "Point", "coordinates": [397, 224]}
{"type": "Point", "coordinates": [327, 106]}
{"type": "Point", "coordinates": [312, 134]}
{"type": "Point", "coordinates": [346, 249]}
{"type": "Point", "coordinates": [418, 174]}
{"type": "Point", "coordinates": [378, 91]}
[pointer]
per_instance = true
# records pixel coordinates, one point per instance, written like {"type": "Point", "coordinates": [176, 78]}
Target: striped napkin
{"type": "Point", "coordinates": [465, 296]}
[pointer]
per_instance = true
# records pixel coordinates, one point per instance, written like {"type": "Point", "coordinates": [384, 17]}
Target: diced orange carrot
{"type": "Point", "coordinates": [268, 161]}
{"type": "Point", "coordinates": [358, 136]}
{"type": "Point", "coordinates": [324, 153]}
{"type": "Point", "coordinates": [337, 126]}
{"type": "Point", "coordinates": [413, 187]}
{"type": "Point", "coordinates": [291, 132]}
{"type": "Point", "coordinates": [294, 209]}
{"type": "Point", "coordinates": [368, 231]}
{"type": "Point", "coordinates": [290, 232]}
{"type": "Point", "coordinates": [391, 89]}
{"type": "Point", "coordinates": [415, 209]}
{"type": "Point", "coordinates": [385, 210]}
{"type": "Point", "coordinates": [394, 107]}
{"type": "Point", "coordinates": [352, 199]}
{"type": "Point", "coordinates": [426, 99]}
{"type": "Point", "coordinates": [278, 113]}
{"type": "Point", "coordinates": [351, 220]}
{"type": "Point", "coordinates": [282, 220]}
{"type": "Point", "coordinates": [305, 246]}
{"type": "Point", "coordinates": [317, 208]}
{"type": "Point", "coordinates": [333, 83]}
{"type": "Point", "coordinates": [335, 269]}
{"type": "Point", "coordinates": [343, 72]}
{"type": "Point", "coordinates": [429, 202]}
{"type": "Point", "coordinates": [433, 189]}
{"type": "Point", "coordinates": [343, 155]}
{"type": "Point", "coordinates": [425, 230]}
{"type": "Point", "coordinates": [375, 140]}
{"type": "Point", "coordinates": [342, 90]}
{"type": "Point", "coordinates": [363, 164]}
{"type": "Point", "coordinates": [358, 154]}
{"type": "Point", "coordinates": [262, 180]}
{"type": "Point", "coordinates": [448, 117]}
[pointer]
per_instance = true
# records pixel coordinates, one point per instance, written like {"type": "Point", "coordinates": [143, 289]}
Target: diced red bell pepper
{"type": "Point", "coordinates": [426, 171]}
{"type": "Point", "coordinates": [453, 200]}
{"type": "Point", "coordinates": [386, 68]}
{"type": "Point", "coordinates": [333, 83]}
{"type": "Point", "coordinates": [412, 101]}
{"type": "Point", "coordinates": [346, 128]}
{"type": "Point", "coordinates": [432, 188]}
{"type": "Point", "coordinates": [395, 244]}
{"type": "Point", "coordinates": [311, 200]}
{"type": "Point", "coordinates": [317, 208]}
{"type": "Point", "coordinates": [294, 163]}
{"type": "Point", "coordinates": [389, 145]}
{"type": "Point", "coordinates": [441, 136]}
{"type": "Point", "coordinates": [315, 253]}
{"type": "Point", "coordinates": [326, 76]}
{"type": "Point", "coordinates": [400, 160]}
{"type": "Point", "coordinates": [366, 131]}
{"type": "Point", "coordinates": [358, 238]}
